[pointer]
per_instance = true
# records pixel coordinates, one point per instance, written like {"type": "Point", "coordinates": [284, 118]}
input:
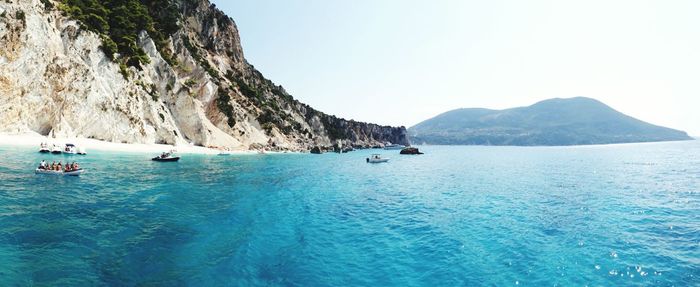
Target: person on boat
{"type": "Point", "coordinates": [53, 166]}
{"type": "Point", "coordinates": [59, 166]}
{"type": "Point", "coordinates": [42, 164]}
{"type": "Point", "coordinates": [75, 166]}
{"type": "Point", "coordinates": [68, 167]}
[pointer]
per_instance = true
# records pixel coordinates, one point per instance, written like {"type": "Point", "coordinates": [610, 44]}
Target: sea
{"type": "Point", "coordinates": [608, 215]}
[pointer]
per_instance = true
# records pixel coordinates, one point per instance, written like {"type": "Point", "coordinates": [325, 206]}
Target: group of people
{"type": "Point", "coordinates": [58, 166]}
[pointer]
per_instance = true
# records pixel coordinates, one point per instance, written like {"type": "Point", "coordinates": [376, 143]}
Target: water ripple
{"type": "Point", "coordinates": [457, 216]}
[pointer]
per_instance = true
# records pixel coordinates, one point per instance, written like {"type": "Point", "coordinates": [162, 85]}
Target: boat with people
{"type": "Point", "coordinates": [70, 169]}
{"type": "Point", "coordinates": [70, 149]}
{"type": "Point", "coordinates": [44, 148]}
{"type": "Point", "coordinates": [166, 157]}
{"type": "Point", "coordinates": [391, 146]}
{"type": "Point", "coordinates": [56, 149]}
{"type": "Point", "coordinates": [76, 172]}
{"type": "Point", "coordinates": [377, 158]}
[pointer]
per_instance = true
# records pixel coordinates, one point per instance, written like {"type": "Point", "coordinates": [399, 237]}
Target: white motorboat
{"type": "Point", "coordinates": [56, 149]}
{"type": "Point", "coordinates": [394, 147]}
{"type": "Point", "coordinates": [58, 172]}
{"type": "Point", "coordinates": [81, 151]}
{"type": "Point", "coordinates": [70, 149]}
{"type": "Point", "coordinates": [376, 158]}
{"type": "Point", "coordinates": [44, 148]}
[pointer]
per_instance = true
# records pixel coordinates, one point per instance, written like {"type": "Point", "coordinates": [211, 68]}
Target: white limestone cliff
{"type": "Point", "coordinates": [56, 80]}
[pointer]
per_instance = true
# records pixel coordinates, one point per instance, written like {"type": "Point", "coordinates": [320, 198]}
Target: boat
{"type": "Point", "coordinates": [410, 150]}
{"type": "Point", "coordinates": [166, 157]}
{"type": "Point", "coordinates": [70, 149]}
{"type": "Point", "coordinates": [81, 151]}
{"type": "Point", "coordinates": [44, 148]}
{"type": "Point", "coordinates": [394, 147]}
{"type": "Point", "coordinates": [376, 158]}
{"type": "Point", "coordinates": [56, 149]}
{"type": "Point", "coordinates": [76, 172]}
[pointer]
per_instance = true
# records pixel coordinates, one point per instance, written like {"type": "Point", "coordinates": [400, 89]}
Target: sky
{"type": "Point", "coordinates": [399, 62]}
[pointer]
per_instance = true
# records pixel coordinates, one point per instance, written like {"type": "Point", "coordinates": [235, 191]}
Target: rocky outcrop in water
{"type": "Point", "coordinates": [56, 80]}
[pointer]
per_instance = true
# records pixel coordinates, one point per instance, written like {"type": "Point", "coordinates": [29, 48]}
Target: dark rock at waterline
{"type": "Point", "coordinates": [316, 150]}
{"type": "Point", "coordinates": [410, 150]}
{"type": "Point", "coordinates": [342, 149]}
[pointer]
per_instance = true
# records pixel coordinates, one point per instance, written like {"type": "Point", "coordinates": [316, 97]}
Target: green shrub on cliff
{"type": "Point", "coordinates": [120, 21]}
{"type": "Point", "coordinates": [223, 102]}
{"type": "Point", "coordinates": [47, 4]}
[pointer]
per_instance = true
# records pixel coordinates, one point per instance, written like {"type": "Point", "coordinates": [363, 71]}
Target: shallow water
{"type": "Point", "coordinates": [615, 215]}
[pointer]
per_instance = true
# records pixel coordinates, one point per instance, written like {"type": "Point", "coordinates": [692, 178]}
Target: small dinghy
{"type": "Point", "coordinates": [56, 149]}
{"type": "Point", "coordinates": [376, 158]}
{"type": "Point", "coordinates": [76, 172]}
{"type": "Point", "coordinates": [44, 148]}
{"type": "Point", "coordinates": [70, 149]}
{"type": "Point", "coordinates": [166, 157]}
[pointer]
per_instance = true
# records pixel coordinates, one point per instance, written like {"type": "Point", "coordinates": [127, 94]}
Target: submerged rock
{"type": "Point", "coordinates": [316, 150]}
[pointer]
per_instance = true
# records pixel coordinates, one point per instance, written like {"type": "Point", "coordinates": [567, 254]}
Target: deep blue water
{"type": "Point", "coordinates": [620, 215]}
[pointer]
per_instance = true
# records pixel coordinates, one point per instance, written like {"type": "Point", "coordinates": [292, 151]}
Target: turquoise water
{"type": "Point", "coordinates": [621, 215]}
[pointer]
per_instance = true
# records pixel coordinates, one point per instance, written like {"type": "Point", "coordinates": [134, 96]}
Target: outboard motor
{"type": "Point", "coordinates": [367, 159]}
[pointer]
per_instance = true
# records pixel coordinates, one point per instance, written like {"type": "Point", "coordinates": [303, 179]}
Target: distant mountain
{"type": "Point", "coordinates": [573, 121]}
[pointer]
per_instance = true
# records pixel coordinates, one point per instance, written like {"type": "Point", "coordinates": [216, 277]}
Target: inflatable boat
{"type": "Point", "coordinates": [56, 172]}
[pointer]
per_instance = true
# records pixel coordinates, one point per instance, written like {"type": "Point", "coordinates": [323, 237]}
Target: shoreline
{"type": "Point", "coordinates": [35, 140]}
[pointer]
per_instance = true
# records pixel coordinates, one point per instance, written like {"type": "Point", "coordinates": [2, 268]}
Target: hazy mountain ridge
{"type": "Point", "coordinates": [191, 86]}
{"type": "Point", "coordinates": [574, 121]}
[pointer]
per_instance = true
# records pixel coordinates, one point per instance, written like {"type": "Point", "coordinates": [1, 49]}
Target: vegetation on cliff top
{"type": "Point", "coordinates": [119, 21]}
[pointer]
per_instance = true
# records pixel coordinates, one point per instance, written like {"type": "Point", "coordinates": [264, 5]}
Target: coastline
{"type": "Point", "coordinates": [34, 140]}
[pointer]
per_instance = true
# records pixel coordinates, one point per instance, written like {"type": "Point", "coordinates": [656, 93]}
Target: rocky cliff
{"type": "Point", "coordinates": [195, 86]}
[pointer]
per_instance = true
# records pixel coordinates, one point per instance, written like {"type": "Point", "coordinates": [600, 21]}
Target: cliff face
{"type": "Point", "coordinates": [56, 80]}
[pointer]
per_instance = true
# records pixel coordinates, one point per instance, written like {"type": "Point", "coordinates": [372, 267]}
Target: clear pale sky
{"type": "Point", "coordinates": [399, 62]}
